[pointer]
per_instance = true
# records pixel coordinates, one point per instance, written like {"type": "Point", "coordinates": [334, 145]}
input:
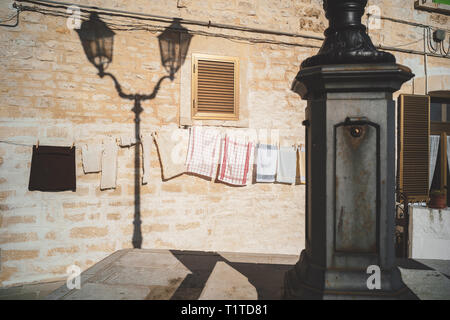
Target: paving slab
{"type": "Point", "coordinates": [101, 291]}
{"type": "Point", "coordinates": [34, 291]}
{"type": "Point", "coordinates": [157, 274]}
{"type": "Point", "coordinates": [427, 284]}
{"type": "Point", "coordinates": [226, 283]}
{"type": "Point", "coordinates": [129, 275]}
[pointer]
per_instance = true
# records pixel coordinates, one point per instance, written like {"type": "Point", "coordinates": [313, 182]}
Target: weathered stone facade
{"type": "Point", "coordinates": [49, 91]}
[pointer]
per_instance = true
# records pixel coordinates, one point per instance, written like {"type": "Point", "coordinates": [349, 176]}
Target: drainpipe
{"type": "Point", "coordinates": [425, 58]}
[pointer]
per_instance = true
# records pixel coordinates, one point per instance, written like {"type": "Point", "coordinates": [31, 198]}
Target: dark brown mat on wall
{"type": "Point", "coordinates": [52, 169]}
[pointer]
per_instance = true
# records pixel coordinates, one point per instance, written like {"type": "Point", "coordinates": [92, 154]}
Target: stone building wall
{"type": "Point", "coordinates": [49, 91]}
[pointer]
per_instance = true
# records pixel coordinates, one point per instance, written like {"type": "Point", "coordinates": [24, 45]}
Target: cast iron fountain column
{"type": "Point", "coordinates": [350, 190]}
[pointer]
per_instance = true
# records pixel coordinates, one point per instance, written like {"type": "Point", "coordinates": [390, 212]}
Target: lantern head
{"type": "Point", "coordinates": [173, 45]}
{"type": "Point", "coordinates": [97, 40]}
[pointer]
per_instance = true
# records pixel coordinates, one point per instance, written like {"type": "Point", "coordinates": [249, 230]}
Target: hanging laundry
{"type": "Point", "coordinates": [92, 157]}
{"type": "Point", "coordinates": [109, 164]}
{"type": "Point", "coordinates": [146, 141]}
{"type": "Point", "coordinates": [287, 165]}
{"type": "Point", "coordinates": [172, 149]}
{"type": "Point", "coordinates": [266, 166]}
{"type": "Point", "coordinates": [203, 151]}
{"type": "Point", "coordinates": [127, 141]}
{"type": "Point", "coordinates": [236, 160]}
{"type": "Point", "coordinates": [52, 169]}
{"type": "Point", "coordinates": [302, 164]}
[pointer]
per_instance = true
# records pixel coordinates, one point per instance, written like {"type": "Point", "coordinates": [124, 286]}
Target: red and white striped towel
{"type": "Point", "coordinates": [203, 151]}
{"type": "Point", "coordinates": [236, 161]}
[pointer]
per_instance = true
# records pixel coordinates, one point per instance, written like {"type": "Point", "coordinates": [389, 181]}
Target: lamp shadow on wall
{"type": "Point", "coordinates": [98, 41]}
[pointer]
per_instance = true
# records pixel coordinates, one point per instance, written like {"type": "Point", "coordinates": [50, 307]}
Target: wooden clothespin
{"type": "Point", "coordinates": [37, 144]}
{"type": "Point", "coordinates": [73, 144]}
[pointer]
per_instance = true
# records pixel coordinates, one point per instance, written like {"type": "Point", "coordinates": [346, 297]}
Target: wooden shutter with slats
{"type": "Point", "coordinates": [413, 146]}
{"type": "Point", "coordinates": [215, 87]}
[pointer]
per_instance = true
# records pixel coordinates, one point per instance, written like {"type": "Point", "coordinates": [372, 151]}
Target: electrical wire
{"type": "Point", "coordinates": [126, 26]}
{"type": "Point", "coordinates": [9, 18]}
{"type": "Point", "coordinates": [430, 41]}
{"type": "Point", "coordinates": [407, 44]}
{"type": "Point", "coordinates": [118, 25]}
{"type": "Point", "coordinates": [16, 15]}
{"type": "Point", "coordinates": [415, 24]}
{"type": "Point", "coordinates": [165, 19]}
{"type": "Point", "coordinates": [16, 143]}
{"type": "Point", "coordinates": [445, 52]}
{"type": "Point", "coordinates": [439, 47]}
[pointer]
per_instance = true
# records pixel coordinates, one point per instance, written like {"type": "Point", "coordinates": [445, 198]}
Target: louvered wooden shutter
{"type": "Point", "coordinates": [413, 146]}
{"type": "Point", "coordinates": [215, 87]}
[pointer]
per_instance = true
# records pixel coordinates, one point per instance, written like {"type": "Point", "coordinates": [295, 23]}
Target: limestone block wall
{"type": "Point", "coordinates": [49, 91]}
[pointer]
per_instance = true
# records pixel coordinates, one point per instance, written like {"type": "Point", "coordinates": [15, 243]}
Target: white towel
{"type": "Point", "coordinates": [203, 151]}
{"type": "Point", "coordinates": [266, 166]}
{"type": "Point", "coordinates": [127, 141]}
{"type": "Point", "coordinates": [287, 165]}
{"type": "Point", "coordinates": [92, 157]}
{"type": "Point", "coordinates": [109, 164]}
{"type": "Point", "coordinates": [236, 160]}
{"type": "Point", "coordinates": [172, 148]}
{"type": "Point", "coordinates": [146, 142]}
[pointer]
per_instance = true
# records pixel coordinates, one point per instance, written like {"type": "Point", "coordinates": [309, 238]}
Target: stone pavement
{"type": "Point", "coordinates": [173, 274]}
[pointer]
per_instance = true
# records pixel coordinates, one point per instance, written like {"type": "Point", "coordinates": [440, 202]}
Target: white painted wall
{"type": "Point", "coordinates": [429, 233]}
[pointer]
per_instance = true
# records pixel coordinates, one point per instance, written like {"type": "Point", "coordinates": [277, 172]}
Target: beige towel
{"type": "Point", "coordinates": [146, 141]}
{"type": "Point", "coordinates": [127, 141]}
{"type": "Point", "coordinates": [109, 164]}
{"type": "Point", "coordinates": [172, 148]}
{"type": "Point", "coordinates": [302, 164]}
{"type": "Point", "coordinates": [92, 157]}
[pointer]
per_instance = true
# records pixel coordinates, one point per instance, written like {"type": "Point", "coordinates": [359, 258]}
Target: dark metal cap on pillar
{"type": "Point", "coordinates": [346, 40]}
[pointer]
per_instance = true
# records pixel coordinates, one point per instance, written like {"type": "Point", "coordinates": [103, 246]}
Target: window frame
{"type": "Point", "coordinates": [196, 115]}
{"type": "Point", "coordinates": [442, 129]}
{"type": "Point", "coordinates": [431, 6]}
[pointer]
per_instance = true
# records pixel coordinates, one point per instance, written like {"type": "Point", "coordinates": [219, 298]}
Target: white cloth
{"type": "Point", "coordinates": [302, 163]}
{"type": "Point", "coordinates": [109, 164]}
{"type": "Point", "coordinates": [127, 141]}
{"type": "Point", "coordinates": [266, 166]}
{"type": "Point", "coordinates": [203, 151]}
{"type": "Point", "coordinates": [287, 165]}
{"type": "Point", "coordinates": [172, 149]}
{"type": "Point", "coordinates": [434, 147]}
{"type": "Point", "coordinates": [92, 157]}
{"type": "Point", "coordinates": [448, 150]}
{"type": "Point", "coordinates": [146, 141]}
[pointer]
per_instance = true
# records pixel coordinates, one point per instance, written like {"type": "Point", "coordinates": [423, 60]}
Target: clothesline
{"type": "Point", "coordinates": [250, 133]}
{"type": "Point", "coordinates": [208, 152]}
{"type": "Point", "coordinates": [118, 143]}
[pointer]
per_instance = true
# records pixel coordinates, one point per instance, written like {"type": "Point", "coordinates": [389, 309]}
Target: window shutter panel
{"type": "Point", "coordinates": [215, 87]}
{"type": "Point", "coordinates": [413, 146]}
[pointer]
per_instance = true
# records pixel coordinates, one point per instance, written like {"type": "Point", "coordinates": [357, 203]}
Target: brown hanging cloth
{"type": "Point", "coordinates": [52, 169]}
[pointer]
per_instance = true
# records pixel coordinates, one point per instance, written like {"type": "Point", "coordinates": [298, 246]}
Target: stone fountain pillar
{"type": "Point", "coordinates": [350, 190]}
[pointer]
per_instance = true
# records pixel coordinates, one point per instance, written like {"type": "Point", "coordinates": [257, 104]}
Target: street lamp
{"type": "Point", "coordinates": [173, 45]}
{"type": "Point", "coordinates": [98, 41]}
